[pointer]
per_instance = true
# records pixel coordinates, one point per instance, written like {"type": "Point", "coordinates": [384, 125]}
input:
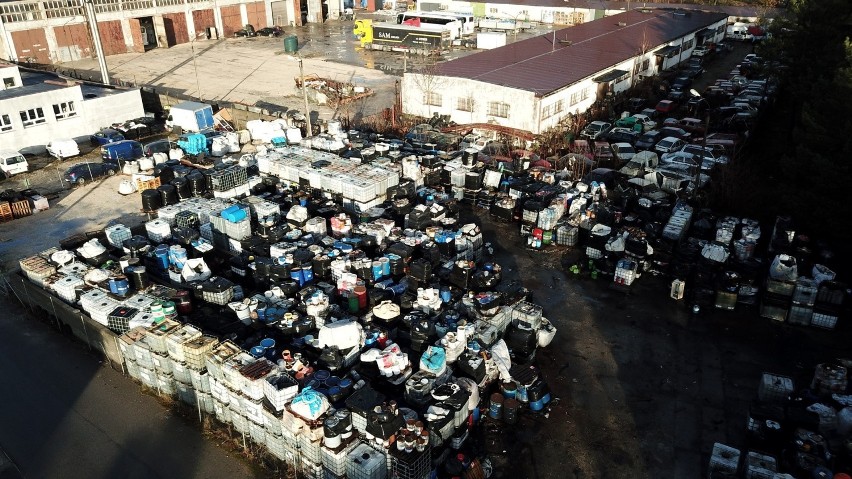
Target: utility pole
{"type": "Point", "coordinates": [92, 18]}
{"type": "Point", "coordinates": [305, 95]}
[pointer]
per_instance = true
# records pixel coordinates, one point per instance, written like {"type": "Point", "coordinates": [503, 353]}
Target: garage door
{"type": "Point", "coordinates": [136, 33]}
{"type": "Point", "coordinates": [256, 13]}
{"type": "Point", "coordinates": [72, 42]}
{"type": "Point", "coordinates": [203, 19]}
{"type": "Point", "coordinates": [231, 20]}
{"type": "Point", "coordinates": [175, 25]}
{"type": "Point", "coordinates": [112, 38]}
{"type": "Point", "coordinates": [31, 46]}
{"type": "Point", "coordinates": [281, 13]}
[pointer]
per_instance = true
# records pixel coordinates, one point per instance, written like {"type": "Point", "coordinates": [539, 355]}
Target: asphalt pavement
{"type": "Point", "coordinates": [66, 414]}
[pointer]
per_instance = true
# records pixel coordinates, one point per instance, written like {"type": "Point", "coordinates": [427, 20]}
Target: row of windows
{"type": "Point", "coordinates": [494, 108]}
{"type": "Point", "coordinates": [581, 95]}
{"type": "Point", "coordinates": [35, 116]}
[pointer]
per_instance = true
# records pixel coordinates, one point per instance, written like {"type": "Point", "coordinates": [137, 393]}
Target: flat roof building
{"type": "Point", "coordinates": [532, 84]}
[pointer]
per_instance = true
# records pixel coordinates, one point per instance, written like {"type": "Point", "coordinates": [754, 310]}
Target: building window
{"type": "Point", "coordinates": [492, 10]}
{"type": "Point", "coordinates": [688, 45]}
{"type": "Point", "coordinates": [5, 123]}
{"type": "Point", "coordinates": [581, 95]}
{"type": "Point", "coordinates": [64, 110]}
{"type": "Point", "coordinates": [9, 82]}
{"type": "Point", "coordinates": [622, 78]}
{"type": "Point", "coordinates": [432, 98]}
{"type": "Point", "coordinates": [33, 116]}
{"type": "Point", "coordinates": [646, 64]}
{"type": "Point", "coordinates": [496, 108]}
{"type": "Point", "coordinates": [547, 111]}
{"type": "Point", "coordinates": [558, 106]}
{"type": "Point", "coordinates": [464, 104]}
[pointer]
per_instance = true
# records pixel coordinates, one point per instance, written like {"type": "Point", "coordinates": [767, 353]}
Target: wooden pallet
{"type": "Point", "coordinates": [21, 208]}
{"type": "Point", "coordinates": [5, 212]}
{"type": "Point", "coordinates": [142, 185]}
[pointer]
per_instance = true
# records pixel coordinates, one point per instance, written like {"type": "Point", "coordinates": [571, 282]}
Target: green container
{"type": "Point", "coordinates": [547, 237]}
{"type": "Point", "coordinates": [291, 44]}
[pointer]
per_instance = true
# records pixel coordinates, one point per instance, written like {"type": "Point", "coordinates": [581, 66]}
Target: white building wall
{"type": "Point", "coordinates": [92, 114]}
{"type": "Point", "coordinates": [523, 112]}
{"type": "Point", "coordinates": [12, 72]}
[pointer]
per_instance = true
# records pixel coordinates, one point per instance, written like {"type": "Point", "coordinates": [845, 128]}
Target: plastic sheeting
{"type": "Point", "coordinates": [91, 248]}
{"type": "Point", "coordinates": [342, 335]}
{"type": "Point", "coordinates": [434, 360]}
{"type": "Point", "coordinates": [309, 404]}
{"type": "Point", "coordinates": [822, 273]}
{"type": "Point", "coordinates": [784, 268]}
{"type": "Point", "coordinates": [195, 270]}
{"type": "Point", "coordinates": [500, 354]}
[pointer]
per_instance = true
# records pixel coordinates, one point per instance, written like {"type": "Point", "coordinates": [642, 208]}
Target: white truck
{"type": "Point", "coordinates": [12, 163]}
{"type": "Point", "coordinates": [190, 116]}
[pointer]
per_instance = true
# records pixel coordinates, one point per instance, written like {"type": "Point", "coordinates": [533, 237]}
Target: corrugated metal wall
{"type": "Point", "coordinates": [73, 42]}
{"type": "Point", "coordinates": [175, 25]}
{"type": "Point", "coordinates": [112, 38]}
{"type": "Point", "coordinates": [203, 19]}
{"type": "Point", "coordinates": [256, 13]}
{"type": "Point", "coordinates": [31, 45]}
{"type": "Point", "coordinates": [231, 20]}
{"type": "Point", "coordinates": [136, 33]}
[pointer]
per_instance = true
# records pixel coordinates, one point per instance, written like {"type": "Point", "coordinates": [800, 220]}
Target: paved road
{"type": "Point", "coordinates": [66, 415]}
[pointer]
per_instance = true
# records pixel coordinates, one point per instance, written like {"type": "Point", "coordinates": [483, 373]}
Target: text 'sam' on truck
{"type": "Point", "coordinates": [425, 39]}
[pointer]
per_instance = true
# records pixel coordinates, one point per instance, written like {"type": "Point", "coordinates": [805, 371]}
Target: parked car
{"type": "Point", "coordinates": [693, 71]}
{"type": "Point", "coordinates": [669, 144]}
{"type": "Point", "coordinates": [648, 140]}
{"type": "Point", "coordinates": [158, 146]}
{"type": "Point", "coordinates": [82, 173]}
{"type": "Point", "coordinates": [676, 132]}
{"type": "Point", "coordinates": [708, 153]}
{"type": "Point", "coordinates": [624, 152]}
{"type": "Point", "coordinates": [692, 125]}
{"type": "Point", "coordinates": [124, 150]}
{"type": "Point", "coordinates": [595, 129]}
{"type": "Point", "coordinates": [666, 107]}
{"type": "Point", "coordinates": [679, 158]}
{"type": "Point", "coordinates": [64, 148]}
{"type": "Point", "coordinates": [105, 136]}
{"type": "Point", "coordinates": [247, 31]}
{"type": "Point", "coordinates": [269, 32]}
{"type": "Point", "coordinates": [636, 104]}
{"type": "Point", "coordinates": [642, 162]}
{"type": "Point", "coordinates": [622, 135]}
{"type": "Point", "coordinates": [12, 163]}
{"type": "Point", "coordinates": [700, 51]}
{"type": "Point", "coordinates": [603, 152]}
{"type": "Point", "coordinates": [638, 122]}
{"type": "Point", "coordinates": [606, 176]}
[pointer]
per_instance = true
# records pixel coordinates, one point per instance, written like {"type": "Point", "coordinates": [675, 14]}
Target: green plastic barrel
{"type": "Point", "coordinates": [291, 44]}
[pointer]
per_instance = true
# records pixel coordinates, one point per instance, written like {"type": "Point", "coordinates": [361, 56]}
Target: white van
{"type": "Point", "coordinates": [12, 163]}
{"type": "Point", "coordinates": [63, 148]}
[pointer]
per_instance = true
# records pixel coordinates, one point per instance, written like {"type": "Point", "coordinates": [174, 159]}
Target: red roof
{"type": "Point", "coordinates": [553, 61]}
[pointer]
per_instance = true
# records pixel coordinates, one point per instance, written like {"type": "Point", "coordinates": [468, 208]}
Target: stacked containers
{"type": "Point", "coordinates": [829, 300]}
{"type": "Point", "coordinates": [803, 299]}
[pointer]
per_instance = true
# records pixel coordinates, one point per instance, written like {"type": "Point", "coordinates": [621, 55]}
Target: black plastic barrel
{"type": "Point", "coordinates": [182, 187]}
{"type": "Point", "coordinates": [473, 180]}
{"type": "Point", "coordinates": [510, 411]}
{"type": "Point", "coordinates": [168, 194]}
{"type": "Point", "coordinates": [197, 183]}
{"type": "Point", "coordinates": [470, 156]}
{"type": "Point", "coordinates": [138, 277]}
{"type": "Point", "coordinates": [167, 174]}
{"type": "Point", "coordinates": [151, 200]}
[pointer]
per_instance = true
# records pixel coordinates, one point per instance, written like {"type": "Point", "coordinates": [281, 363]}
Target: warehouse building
{"type": "Point", "coordinates": [36, 108]}
{"type": "Point", "coordinates": [51, 31]}
{"type": "Point", "coordinates": [532, 84]}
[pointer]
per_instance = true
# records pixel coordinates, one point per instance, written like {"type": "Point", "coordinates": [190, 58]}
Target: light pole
{"type": "Point", "coordinates": [92, 18]}
{"type": "Point", "coordinates": [195, 65]}
{"type": "Point", "coordinates": [701, 99]}
{"type": "Point", "coordinates": [305, 95]}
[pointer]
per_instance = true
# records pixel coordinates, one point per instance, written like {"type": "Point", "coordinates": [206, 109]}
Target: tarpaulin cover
{"type": "Point", "coordinates": [822, 273]}
{"type": "Point", "coordinates": [342, 334]}
{"type": "Point", "coordinates": [784, 268]}
{"type": "Point", "coordinates": [500, 353]}
{"type": "Point", "coordinates": [434, 359]}
{"type": "Point", "coordinates": [309, 404]}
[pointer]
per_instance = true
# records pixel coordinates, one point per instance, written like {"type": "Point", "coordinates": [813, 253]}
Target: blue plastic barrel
{"type": "Point", "coordinates": [161, 252]}
{"type": "Point", "coordinates": [267, 343]}
{"type": "Point", "coordinates": [257, 351]}
{"type": "Point", "coordinates": [377, 269]}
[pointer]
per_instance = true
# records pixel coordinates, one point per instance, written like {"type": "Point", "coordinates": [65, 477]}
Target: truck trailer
{"type": "Point", "coordinates": [424, 39]}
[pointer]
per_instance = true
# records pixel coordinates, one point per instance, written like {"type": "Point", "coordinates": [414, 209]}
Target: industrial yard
{"type": "Point", "coordinates": [271, 301]}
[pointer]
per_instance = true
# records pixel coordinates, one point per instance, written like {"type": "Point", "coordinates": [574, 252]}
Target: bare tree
{"type": "Point", "coordinates": [429, 82]}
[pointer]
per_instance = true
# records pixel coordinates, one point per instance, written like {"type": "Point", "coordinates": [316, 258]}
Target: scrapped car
{"type": "Point", "coordinates": [64, 148]}
{"type": "Point", "coordinates": [648, 140]}
{"type": "Point", "coordinates": [106, 136]}
{"type": "Point", "coordinates": [676, 132]}
{"type": "Point", "coordinates": [665, 107]}
{"type": "Point", "coordinates": [624, 152]}
{"type": "Point", "coordinates": [707, 153]}
{"type": "Point", "coordinates": [638, 122]}
{"type": "Point", "coordinates": [595, 129]}
{"type": "Point", "coordinates": [158, 146]}
{"type": "Point", "coordinates": [82, 173]}
{"type": "Point", "coordinates": [622, 135]}
{"type": "Point", "coordinates": [642, 162]}
{"type": "Point", "coordinates": [669, 144]}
